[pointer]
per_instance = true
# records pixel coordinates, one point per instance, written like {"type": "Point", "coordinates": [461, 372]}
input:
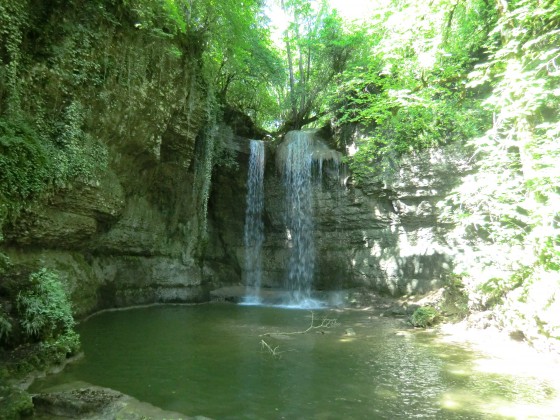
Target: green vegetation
{"type": "Point", "coordinates": [318, 47]}
{"type": "Point", "coordinates": [41, 318]}
{"type": "Point", "coordinates": [455, 303]}
{"type": "Point", "coordinates": [76, 78]}
{"type": "Point", "coordinates": [23, 166]}
{"type": "Point", "coordinates": [409, 92]}
{"type": "Point", "coordinates": [480, 74]}
{"type": "Point", "coordinates": [44, 307]}
{"type": "Point", "coordinates": [5, 324]}
{"type": "Point", "coordinates": [240, 62]}
{"type": "Point", "coordinates": [16, 403]}
{"type": "Point", "coordinates": [35, 334]}
{"type": "Point", "coordinates": [513, 200]}
{"type": "Point", "coordinates": [425, 316]}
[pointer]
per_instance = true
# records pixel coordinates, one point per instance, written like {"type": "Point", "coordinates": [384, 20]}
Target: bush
{"type": "Point", "coordinates": [44, 308]}
{"type": "Point", "coordinates": [425, 316]}
{"type": "Point", "coordinates": [56, 350]}
{"type": "Point", "coordinates": [16, 403]}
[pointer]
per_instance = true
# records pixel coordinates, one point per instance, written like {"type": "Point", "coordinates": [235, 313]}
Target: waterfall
{"type": "Point", "coordinates": [297, 164]}
{"type": "Point", "coordinates": [253, 235]}
{"type": "Point", "coordinates": [302, 160]}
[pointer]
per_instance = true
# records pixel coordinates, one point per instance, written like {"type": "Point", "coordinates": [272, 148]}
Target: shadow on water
{"type": "Point", "coordinates": [230, 362]}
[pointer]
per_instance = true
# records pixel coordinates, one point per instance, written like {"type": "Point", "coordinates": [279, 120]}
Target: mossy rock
{"type": "Point", "coordinates": [425, 316]}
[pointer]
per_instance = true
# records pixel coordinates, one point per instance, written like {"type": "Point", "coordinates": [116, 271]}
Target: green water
{"type": "Point", "coordinates": [209, 360]}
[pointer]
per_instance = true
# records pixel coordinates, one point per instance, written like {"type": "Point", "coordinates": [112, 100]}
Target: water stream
{"type": "Point", "coordinates": [299, 215]}
{"type": "Point", "coordinates": [303, 159]}
{"type": "Point", "coordinates": [253, 236]}
{"type": "Point", "coordinates": [210, 360]}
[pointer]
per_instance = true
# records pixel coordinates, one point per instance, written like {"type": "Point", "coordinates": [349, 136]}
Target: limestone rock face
{"type": "Point", "coordinates": [141, 231]}
{"type": "Point", "coordinates": [404, 248]}
{"type": "Point", "coordinates": [126, 235]}
{"type": "Point", "coordinates": [71, 217]}
{"type": "Point", "coordinates": [386, 234]}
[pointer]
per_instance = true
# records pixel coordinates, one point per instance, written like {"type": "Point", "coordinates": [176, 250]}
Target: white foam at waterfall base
{"type": "Point", "coordinates": [306, 303]}
{"type": "Point", "coordinates": [253, 235]}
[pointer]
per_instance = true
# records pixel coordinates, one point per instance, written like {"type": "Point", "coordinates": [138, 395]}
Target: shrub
{"type": "Point", "coordinates": [455, 304]}
{"type": "Point", "coordinates": [44, 308]}
{"type": "Point", "coordinates": [16, 403]}
{"type": "Point", "coordinates": [56, 350]}
{"type": "Point", "coordinates": [425, 316]}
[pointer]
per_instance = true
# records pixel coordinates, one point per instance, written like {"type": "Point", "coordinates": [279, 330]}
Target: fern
{"type": "Point", "coordinates": [45, 309]}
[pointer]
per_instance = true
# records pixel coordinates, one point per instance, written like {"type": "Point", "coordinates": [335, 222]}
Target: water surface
{"type": "Point", "coordinates": [232, 362]}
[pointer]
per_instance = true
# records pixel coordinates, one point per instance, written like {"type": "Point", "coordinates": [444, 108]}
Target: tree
{"type": "Point", "coordinates": [521, 148]}
{"type": "Point", "coordinates": [409, 91]}
{"type": "Point", "coordinates": [317, 48]}
{"type": "Point", "coordinates": [239, 60]}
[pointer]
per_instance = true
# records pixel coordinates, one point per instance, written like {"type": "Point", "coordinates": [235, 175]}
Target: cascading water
{"type": "Point", "coordinates": [297, 164]}
{"type": "Point", "coordinates": [301, 158]}
{"type": "Point", "coordinates": [253, 237]}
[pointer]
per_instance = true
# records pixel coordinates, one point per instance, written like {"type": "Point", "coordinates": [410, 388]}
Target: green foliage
{"type": "Point", "coordinates": [5, 263]}
{"type": "Point", "coordinates": [24, 165]}
{"type": "Point", "coordinates": [425, 316]}
{"type": "Point", "coordinates": [44, 307]}
{"type": "Point", "coordinates": [42, 141]}
{"type": "Point", "coordinates": [224, 156]}
{"type": "Point", "coordinates": [204, 164]}
{"type": "Point", "coordinates": [318, 47]}
{"type": "Point", "coordinates": [486, 75]}
{"type": "Point", "coordinates": [513, 201]}
{"type": "Point", "coordinates": [410, 92]}
{"type": "Point", "coordinates": [494, 291]}
{"type": "Point", "coordinates": [234, 42]}
{"type": "Point", "coordinates": [76, 155]}
{"type": "Point", "coordinates": [239, 60]}
{"type": "Point", "coordinates": [16, 403]}
{"type": "Point", "coordinates": [455, 304]}
{"type": "Point", "coordinates": [13, 21]}
{"type": "Point", "coordinates": [56, 350]}
{"type": "Point", "coordinates": [31, 164]}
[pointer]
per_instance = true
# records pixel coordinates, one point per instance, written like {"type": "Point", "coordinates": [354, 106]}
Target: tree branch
{"type": "Point", "coordinates": [325, 323]}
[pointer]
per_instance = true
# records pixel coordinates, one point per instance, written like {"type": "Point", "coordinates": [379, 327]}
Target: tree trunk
{"type": "Point", "coordinates": [292, 93]}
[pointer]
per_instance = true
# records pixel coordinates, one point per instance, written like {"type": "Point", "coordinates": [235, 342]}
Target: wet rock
{"type": "Point", "coordinates": [84, 401]}
{"type": "Point", "coordinates": [76, 403]}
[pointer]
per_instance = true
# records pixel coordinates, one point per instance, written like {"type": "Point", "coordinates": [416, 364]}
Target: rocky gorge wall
{"type": "Point", "coordinates": [128, 233]}
{"type": "Point", "coordinates": [399, 232]}
{"type": "Point", "coordinates": [387, 234]}
{"type": "Point", "coordinates": [127, 239]}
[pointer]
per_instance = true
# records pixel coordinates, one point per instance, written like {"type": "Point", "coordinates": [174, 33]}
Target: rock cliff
{"type": "Point", "coordinates": [386, 234]}
{"type": "Point", "coordinates": [124, 234]}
